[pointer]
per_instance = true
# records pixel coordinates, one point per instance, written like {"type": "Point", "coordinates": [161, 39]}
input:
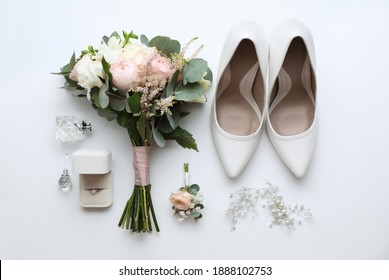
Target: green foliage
{"type": "Point", "coordinates": [209, 75]}
{"type": "Point", "coordinates": [189, 92]}
{"type": "Point", "coordinates": [107, 113]}
{"type": "Point", "coordinates": [182, 137]}
{"type": "Point", "coordinates": [144, 40]}
{"type": "Point", "coordinates": [124, 119]}
{"type": "Point", "coordinates": [158, 137]}
{"type": "Point", "coordinates": [194, 189]}
{"type": "Point", "coordinates": [165, 45]}
{"type": "Point", "coordinates": [106, 68]}
{"type": "Point", "coordinates": [134, 102]}
{"type": "Point", "coordinates": [194, 71]}
{"type": "Point", "coordinates": [143, 127]}
{"type": "Point", "coordinates": [195, 215]}
{"type": "Point", "coordinates": [174, 118]}
{"type": "Point", "coordinates": [128, 36]}
{"type": "Point", "coordinates": [171, 86]}
{"type": "Point", "coordinates": [117, 102]}
{"type": "Point", "coordinates": [164, 125]}
{"type": "Point", "coordinates": [103, 97]}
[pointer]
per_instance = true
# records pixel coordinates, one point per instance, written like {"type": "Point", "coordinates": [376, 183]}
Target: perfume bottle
{"type": "Point", "coordinates": [64, 180]}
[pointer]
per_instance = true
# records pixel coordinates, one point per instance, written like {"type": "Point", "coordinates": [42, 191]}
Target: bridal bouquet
{"type": "Point", "coordinates": [143, 86]}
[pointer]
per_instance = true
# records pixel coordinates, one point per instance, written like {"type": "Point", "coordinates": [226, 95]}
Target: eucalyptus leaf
{"type": "Point", "coordinates": [194, 189]}
{"type": "Point", "coordinates": [189, 92]}
{"type": "Point", "coordinates": [199, 205]}
{"type": "Point", "coordinates": [194, 71]}
{"type": "Point", "coordinates": [174, 118]}
{"type": "Point", "coordinates": [209, 75]}
{"type": "Point", "coordinates": [117, 103]}
{"type": "Point", "coordinates": [134, 102]}
{"type": "Point", "coordinates": [94, 97]}
{"type": "Point", "coordinates": [170, 88]}
{"type": "Point", "coordinates": [158, 137]}
{"type": "Point", "coordinates": [115, 34]}
{"type": "Point", "coordinates": [105, 39]}
{"type": "Point", "coordinates": [144, 40]}
{"type": "Point", "coordinates": [195, 214]}
{"type": "Point", "coordinates": [103, 97]}
{"type": "Point", "coordinates": [107, 114]}
{"type": "Point", "coordinates": [165, 45]}
{"type": "Point", "coordinates": [164, 125]}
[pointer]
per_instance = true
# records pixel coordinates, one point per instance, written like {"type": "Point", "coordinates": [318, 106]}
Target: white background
{"type": "Point", "coordinates": [346, 186]}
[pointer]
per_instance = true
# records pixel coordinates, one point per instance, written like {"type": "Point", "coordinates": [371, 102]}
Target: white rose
{"type": "Point", "coordinates": [138, 53]}
{"type": "Point", "coordinates": [89, 76]}
{"type": "Point", "coordinates": [84, 62]}
{"type": "Point", "coordinates": [111, 51]}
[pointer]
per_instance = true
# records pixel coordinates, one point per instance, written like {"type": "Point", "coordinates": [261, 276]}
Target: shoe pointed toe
{"type": "Point", "coordinates": [234, 151]}
{"type": "Point", "coordinates": [296, 151]}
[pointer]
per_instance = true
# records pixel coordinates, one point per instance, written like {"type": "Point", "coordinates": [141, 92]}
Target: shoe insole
{"type": "Point", "coordinates": [294, 113]}
{"type": "Point", "coordinates": [234, 112]}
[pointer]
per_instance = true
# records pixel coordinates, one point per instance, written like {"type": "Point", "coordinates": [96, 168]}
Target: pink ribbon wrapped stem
{"type": "Point", "coordinates": [141, 162]}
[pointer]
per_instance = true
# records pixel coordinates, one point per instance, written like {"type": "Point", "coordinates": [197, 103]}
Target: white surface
{"type": "Point", "coordinates": [346, 186]}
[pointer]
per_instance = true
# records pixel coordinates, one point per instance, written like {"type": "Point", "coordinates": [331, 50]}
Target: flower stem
{"type": "Point", "coordinates": [148, 188]}
{"type": "Point", "coordinates": [136, 214]}
{"type": "Point", "coordinates": [146, 223]}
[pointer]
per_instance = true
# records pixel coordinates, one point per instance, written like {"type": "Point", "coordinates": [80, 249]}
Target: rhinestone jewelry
{"type": "Point", "coordinates": [245, 199]}
{"type": "Point", "coordinates": [64, 180]}
{"type": "Point", "coordinates": [242, 202]}
{"type": "Point", "coordinates": [70, 129]}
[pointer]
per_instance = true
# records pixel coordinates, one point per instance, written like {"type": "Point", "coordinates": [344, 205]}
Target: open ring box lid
{"type": "Point", "coordinates": [95, 176]}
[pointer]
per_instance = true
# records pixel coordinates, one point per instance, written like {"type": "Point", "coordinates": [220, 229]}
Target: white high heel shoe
{"type": "Point", "coordinates": [292, 122]}
{"type": "Point", "coordinates": [239, 106]}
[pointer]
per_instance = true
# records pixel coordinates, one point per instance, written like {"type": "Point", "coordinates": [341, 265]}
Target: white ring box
{"type": "Point", "coordinates": [95, 177]}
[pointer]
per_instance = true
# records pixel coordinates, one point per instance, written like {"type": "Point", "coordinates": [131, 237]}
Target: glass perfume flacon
{"type": "Point", "coordinates": [71, 129]}
{"type": "Point", "coordinates": [64, 181]}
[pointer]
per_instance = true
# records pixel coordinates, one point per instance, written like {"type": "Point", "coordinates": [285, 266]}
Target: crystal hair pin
{"type": "Point", "coordinates": [64, 180]}
{"type": "Point", "coordinates": [245, 200]}
{"type": "Point", "coordinates": [70, 129]}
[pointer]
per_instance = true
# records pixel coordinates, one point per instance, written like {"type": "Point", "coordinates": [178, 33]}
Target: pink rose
{"type": "Point", "coordinates": [83, 63]}
{"type": "Point", "coordinates": [124, 74]}
{"type": "Point", "coordinates": [161, 67]}
{"type": "Point", "coordinates": [180, 200]}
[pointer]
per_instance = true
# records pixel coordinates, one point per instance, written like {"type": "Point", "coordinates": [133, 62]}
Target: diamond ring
{"type": "Point", "coordinates": [94, 190]}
